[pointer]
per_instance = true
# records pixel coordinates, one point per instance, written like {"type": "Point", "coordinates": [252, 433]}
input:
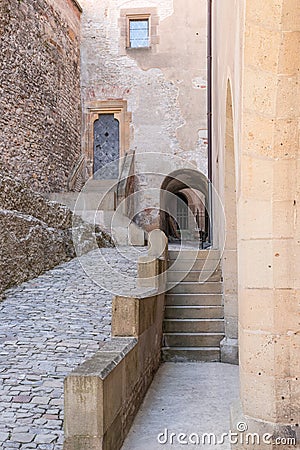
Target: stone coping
{"type": "Point", "coordinates": [106, 359]}
{"type": "Point", "coordinates": [139, 293]}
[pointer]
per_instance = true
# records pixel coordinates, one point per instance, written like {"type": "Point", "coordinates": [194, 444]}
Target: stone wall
{"type": "Point", "coordinates": [39, 90]}
{"type": "Point", "coordinates": [36, 234]}
{"type": "Point", "coordinates": [256, 65]}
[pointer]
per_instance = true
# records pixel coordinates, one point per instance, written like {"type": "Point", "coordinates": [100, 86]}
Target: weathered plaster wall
{"type": "Point", "coordinates": [40, 90]}
{"type": "Point", "coordinates": [165, 87]}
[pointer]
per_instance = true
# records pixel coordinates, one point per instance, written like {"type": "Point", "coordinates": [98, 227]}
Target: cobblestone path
{"type": "Point", "coordinates": [48, 326]}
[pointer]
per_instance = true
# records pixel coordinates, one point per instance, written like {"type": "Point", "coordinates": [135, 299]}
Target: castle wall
{"type": "Point", "coordinates": [40, 91]}
{"type": "Point", "coordinates": [164, 85]}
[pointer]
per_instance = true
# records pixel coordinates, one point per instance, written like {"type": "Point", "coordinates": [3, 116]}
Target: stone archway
{"type": "Point", "coordinates": [229, 261]}
{"type": "Point", "coordinates": [193, 185]}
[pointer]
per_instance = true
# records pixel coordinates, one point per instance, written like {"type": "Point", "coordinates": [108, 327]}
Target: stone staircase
{"type": "Point", "coordinates": [194, 313]}
{"type": "Point", "coordinates": [98, 195]}
{"type": "Point", "coordinates": [97, 204]}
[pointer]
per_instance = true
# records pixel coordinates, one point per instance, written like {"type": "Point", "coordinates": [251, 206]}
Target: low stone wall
{"type": "Point", "coordinates": [103, 395]}
{"type": "Point", "coordinates": [36, 234]}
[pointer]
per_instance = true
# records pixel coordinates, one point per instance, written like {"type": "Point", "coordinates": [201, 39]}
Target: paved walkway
{"type": "Point", "coordinates": [188, 398]}
{"type": "Point", "coordinates": [48, 326]}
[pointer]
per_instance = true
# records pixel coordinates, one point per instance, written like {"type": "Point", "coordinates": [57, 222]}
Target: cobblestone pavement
{"type": "Point", "coordinates": [48, 326]}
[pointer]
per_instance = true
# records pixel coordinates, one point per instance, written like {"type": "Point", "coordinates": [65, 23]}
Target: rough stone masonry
{"type": "Point", "coordinates": [39, 90]}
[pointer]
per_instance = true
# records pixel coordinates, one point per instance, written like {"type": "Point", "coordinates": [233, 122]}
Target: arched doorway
{"type": "Point", "coordinates": [183, 211]}
{"type": "Point", "coordinates": [229, 260]}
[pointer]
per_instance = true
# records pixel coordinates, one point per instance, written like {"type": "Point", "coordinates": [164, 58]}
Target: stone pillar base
{"type": "Point", "coordinates": [260, 435]}
{"type": "Point", "coordinates": [229, 351]}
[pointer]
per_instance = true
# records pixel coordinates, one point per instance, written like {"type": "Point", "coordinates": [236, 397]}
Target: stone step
{"type": "Point", "coordinates": [101, 185]}
{"type": "Point", "coordinates": [194, 300]}
{"type": "Point", "coordinates": [85, 201]}
{"type": "Point", "coordinates": [190, 354]}
{"type": "Point", "coordinates": [100, 201]}
{"type": "Point", "coordinates": [195, 275]}
{"type": "Point", "coordinates": [194, 312]}
{"type": "Point", "coordinates": [193, 325]}
{"type": "Point", "coordinates": [123, 231]}
{"type": "Point", "coordinates": [195, 288]}
{"type": "Point", "coordinates": [192, 254]}
{"type": "Point", "coordinates": [192, 339]}
{"type": "Point", "coordinates": [188, 265]}
{"type": "Point", "coordinates": [68, 199]}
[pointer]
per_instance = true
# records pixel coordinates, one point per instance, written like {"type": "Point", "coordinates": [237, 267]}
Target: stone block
{"type": "Point", "coordinates": [266, 15]}
{"type": "Point", "coordinates": [258, 394]}
{"type": "Point", "coordinates": [266, 432]}
{"type": "Point", "coordinates": [289, 60]}
{"type": "Point", "coordinates": [261, 47]}
{"type": "Point", "coordinates": [148, 270]}
{"type": "Point", "coordinates": [256, 267]}
{"type": "Point", "coordinates": [287, 102]}
{"type": "Point", "coordinates": [257, 179]}
{"type": "Point", "coordinates": [125, 316]}
{"type": "Point", "coordinates": [136, 235]}
{"type": "Point", "coordinates": [285, 138]}
{"type": "Point", "coordinates": [95, 393]}
{"type": "Point", "coordinates": [229, 351]}
{"type": "Point", "coordinates": [284, 173]}
{"type": "Point", "coordinates": [260, 89]}
{"type": "Point", "coordinates": [258, 139]}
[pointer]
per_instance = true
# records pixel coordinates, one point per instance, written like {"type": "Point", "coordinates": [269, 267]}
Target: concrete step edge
{"type": "Point", "coordinates": [194, 282]}
{"type": "Point", "coordinates": [193, 294]}
{"type": "Point", "coordinates": [191, 260]}
{"type": "Point", "coordinates": [209, 333]}
{"type": "Point", "coordinates": [217, 270]}
{"type": "Point", "coordinates": [194, 320]}
{"type": "Point", "coordinates": [206, 349]}
{"type": "Point", "coordinates": [201, 307]}
{"type": "Point", "coordinates": [190, 254]}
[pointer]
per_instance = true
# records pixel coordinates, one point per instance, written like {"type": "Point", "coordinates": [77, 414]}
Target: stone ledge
{"type": "Point", "coordinates": [106, 359]}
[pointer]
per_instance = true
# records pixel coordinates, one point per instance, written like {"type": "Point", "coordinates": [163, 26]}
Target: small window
{"type": "Point", "coordinates": [138, 32]}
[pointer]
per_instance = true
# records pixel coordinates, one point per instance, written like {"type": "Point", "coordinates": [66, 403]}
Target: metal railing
{"type": "Point", "coordinates": [126, 183]}
{"type": "Point", "coordinates": [76, 179]}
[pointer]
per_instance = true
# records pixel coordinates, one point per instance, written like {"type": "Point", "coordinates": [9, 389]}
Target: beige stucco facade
{"type": "Point", "coordinates": [257, 65]}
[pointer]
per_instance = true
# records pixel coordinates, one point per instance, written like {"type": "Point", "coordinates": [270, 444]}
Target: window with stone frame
{"type": "Point", "coordinates": [138, 31]}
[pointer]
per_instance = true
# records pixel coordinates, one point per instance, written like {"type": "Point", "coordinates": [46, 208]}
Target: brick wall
{"type": "Point", "coordinates": [40, 116]}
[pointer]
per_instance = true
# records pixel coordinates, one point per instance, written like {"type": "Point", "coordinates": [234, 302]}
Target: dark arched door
{"type": "Point", "coordinates": [106, 147]}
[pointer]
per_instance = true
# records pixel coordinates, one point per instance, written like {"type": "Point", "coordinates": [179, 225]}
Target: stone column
{"type": "Point", "coordinates": [268, 208]}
